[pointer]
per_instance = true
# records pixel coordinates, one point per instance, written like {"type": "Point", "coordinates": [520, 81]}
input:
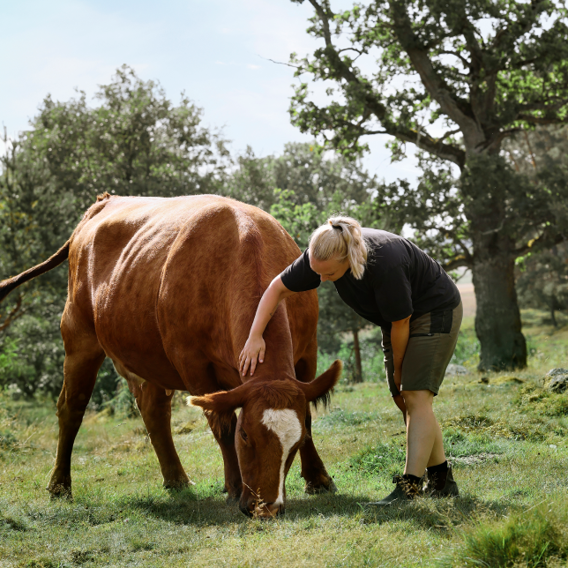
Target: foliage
{"type": "Point", "coordinates": [525, 539]}
{"type": "Point", "coordinates": [454, 79]}
{"type": "Point", "coordinates": [467, 348]}
{"type": "Point", "coordinates": [323, 179]}
{"type": "Point", "coordinates": [134, 142]}
{"type": "Point", "coordinates": [410, 69]}
{"type": "Point", "coordinates": [32, 355]}
{"type": "Point", "coordinates": [543, 281]}
{"type": "Point", "coordinates": [123, 402]}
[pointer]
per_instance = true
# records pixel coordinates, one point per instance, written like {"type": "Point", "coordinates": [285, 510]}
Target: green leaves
{"type": "Point", "coordinates": [485, 67]}
{"type": "Point", "coordinates": [135, 141]}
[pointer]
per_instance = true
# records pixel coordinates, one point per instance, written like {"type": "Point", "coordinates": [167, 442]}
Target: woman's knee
{"type": "Point", "coordinates": [417, 399]}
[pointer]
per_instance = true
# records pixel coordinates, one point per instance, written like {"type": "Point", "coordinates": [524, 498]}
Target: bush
{"type": "Point", "coordinates": [123, 403]}
{"type": "Point", "coordinates": [32, 356]}
{"type": "Point", "coordinates": [522, 540]}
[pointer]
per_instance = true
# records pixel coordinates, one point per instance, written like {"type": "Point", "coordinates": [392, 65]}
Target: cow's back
{"type": "Point", "coordinates": [161, 277]}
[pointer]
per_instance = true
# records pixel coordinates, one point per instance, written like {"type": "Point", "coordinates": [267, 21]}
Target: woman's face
{"type": "Point", "coordinates": [331, 269]}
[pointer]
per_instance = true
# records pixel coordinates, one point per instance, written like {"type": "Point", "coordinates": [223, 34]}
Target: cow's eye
{"type": "Point", "coordinates": [244, 435]}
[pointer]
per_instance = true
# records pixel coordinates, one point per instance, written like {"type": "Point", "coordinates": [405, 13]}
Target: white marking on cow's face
{"type": "Point", "coordinates": [285, 424]}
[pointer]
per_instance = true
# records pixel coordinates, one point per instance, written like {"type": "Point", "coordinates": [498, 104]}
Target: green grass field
{"type": "Point", "coordinates": [507, 439]}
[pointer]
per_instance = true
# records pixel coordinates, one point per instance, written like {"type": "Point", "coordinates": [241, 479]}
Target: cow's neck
{"type": "Point", "coordinates": [279, 357]}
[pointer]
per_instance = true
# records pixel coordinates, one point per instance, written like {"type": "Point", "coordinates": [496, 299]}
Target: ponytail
{"type": "Point", "coordinates": [341, 237]}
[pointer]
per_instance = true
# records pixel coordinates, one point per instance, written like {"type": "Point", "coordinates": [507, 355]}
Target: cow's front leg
{"type": "Point", "coordinates": [155, 404]}
{"type": "Point", "coordinates": [313, 471]}
{"type": "Point", "coordinates": [226, 441]}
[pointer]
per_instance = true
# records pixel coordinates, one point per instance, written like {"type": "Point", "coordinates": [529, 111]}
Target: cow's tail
{"type": "Point", "coordinates": [6, 286]}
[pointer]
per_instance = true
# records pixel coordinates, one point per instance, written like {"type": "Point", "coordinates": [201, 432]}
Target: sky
{"type": "Point", "coordinates": [217, 51]}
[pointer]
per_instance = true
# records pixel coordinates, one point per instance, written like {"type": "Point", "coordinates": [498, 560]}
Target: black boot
{"type": "Point", "coordinates": [407, 488]}
{"type": "Point", "coordinates": [441, 484]}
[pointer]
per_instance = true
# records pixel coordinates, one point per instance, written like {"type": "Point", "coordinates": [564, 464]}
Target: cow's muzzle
{"type": "Point", "coordinates": [257, 510]}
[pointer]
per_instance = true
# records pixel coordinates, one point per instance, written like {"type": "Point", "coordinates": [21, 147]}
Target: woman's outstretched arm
{"type": "Point", "coordinates": [255, 346]}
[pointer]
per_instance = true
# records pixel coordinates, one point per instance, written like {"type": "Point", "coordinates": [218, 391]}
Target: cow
{"type": "Point", "coordinates": [167, 288]}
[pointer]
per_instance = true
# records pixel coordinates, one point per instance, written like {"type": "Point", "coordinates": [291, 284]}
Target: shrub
{"type": "Point", "coordinates": [123, 403]}
{"type": "Point", "coordinates": [522, 540]}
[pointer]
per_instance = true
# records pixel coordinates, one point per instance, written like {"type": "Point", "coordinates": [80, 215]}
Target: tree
{"type": "Point", "coordinates": [455, 79]}
{"type": "Point", "coordinates": [134, 142]}
{"type": "Point", "coordinates": [543, 281]}
{"type": "Point", "coordinates": [542, 276]}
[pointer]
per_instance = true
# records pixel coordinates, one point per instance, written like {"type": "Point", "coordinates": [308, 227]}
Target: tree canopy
{"type": "Point", "coordinates": [455, 79]}
{"type": "Point", "coordinates": [134, 141]}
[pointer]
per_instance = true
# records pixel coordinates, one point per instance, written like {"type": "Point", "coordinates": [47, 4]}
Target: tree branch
{"type": "Point", "coordinates": [437, 88]}
{"type": "Point", "coordinates": [453, 235]}
{"type": "Point", "coordinates": [465, 62]}
{"type": "Point", "coordinates": [541, 120]}
{"type": "Point", "coordinates": [449, 133]}
{"type": "Point", "coordinates": [456, 262]}
{"type": "Point", "coordinates": [13, 315]}
{"type": "Point", "coordinates": [424, 142]}
{"type": "Point", "coordinates": [546, 240]}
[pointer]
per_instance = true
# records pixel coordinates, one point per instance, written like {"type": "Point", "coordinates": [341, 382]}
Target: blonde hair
{"type": "Point", "coordinates": [341, 237]}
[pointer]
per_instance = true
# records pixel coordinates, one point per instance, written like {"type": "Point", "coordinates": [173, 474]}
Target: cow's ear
{"type": "Point", "coordinates": [319, 390]}
{"type": "Point", "coordinates": [219, 407]}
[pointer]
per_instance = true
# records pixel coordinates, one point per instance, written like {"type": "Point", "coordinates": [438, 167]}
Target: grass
{"type": "Point", "coordinates": [507, 439]}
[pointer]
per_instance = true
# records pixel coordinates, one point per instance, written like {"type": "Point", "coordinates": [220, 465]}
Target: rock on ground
{"type": "Point", "coordinates": [556, 380]}
{"type": "Point", "coordinates": [454, 370]}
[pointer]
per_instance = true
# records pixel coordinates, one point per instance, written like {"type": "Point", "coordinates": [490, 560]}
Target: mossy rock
{"type": "Point", "coordinates": [556, 380]}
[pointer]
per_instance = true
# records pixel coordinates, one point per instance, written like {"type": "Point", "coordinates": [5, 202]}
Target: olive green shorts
{"type": "Point", "coordinates": [431, 344]}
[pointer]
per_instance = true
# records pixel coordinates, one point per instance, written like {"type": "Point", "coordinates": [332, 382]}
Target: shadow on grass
{"type": "Point", "coordinates": [184, 507]}
{"type": "Point", "coordinates": [439, 514]}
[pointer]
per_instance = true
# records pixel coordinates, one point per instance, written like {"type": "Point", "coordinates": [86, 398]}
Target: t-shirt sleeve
{"type": "Point", "coordinates": [393, 294]}
{"type": "Point", "coordinates": [299, 276]}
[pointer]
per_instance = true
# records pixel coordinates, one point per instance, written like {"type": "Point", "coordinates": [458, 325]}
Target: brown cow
{"type": "Point", "coordinates": [168, 288]}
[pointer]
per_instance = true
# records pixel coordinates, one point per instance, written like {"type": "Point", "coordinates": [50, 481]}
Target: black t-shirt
{"type": "Point", "coordinates": [400, 280]}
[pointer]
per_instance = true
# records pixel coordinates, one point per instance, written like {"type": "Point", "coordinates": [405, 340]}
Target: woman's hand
{"type": "Point", "coordinates": [254, 350]}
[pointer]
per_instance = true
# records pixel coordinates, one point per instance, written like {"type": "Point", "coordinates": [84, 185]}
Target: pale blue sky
{"type": "Point", "coordinates": [216, 51]}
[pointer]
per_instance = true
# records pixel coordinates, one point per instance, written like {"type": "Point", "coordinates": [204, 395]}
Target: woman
{"type": "Point", "coordinates": [392, 283]}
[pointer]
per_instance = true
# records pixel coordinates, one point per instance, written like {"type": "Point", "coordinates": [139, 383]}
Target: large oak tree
{"type": "Point", "coordinates": [454, 78]}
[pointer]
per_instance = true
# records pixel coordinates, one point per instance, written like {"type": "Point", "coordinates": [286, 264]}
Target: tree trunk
{"type": "Point", "coordinates": [497, 318]}
{"type": "Point", "coordinates": [487, 184]}
{"type": "Point", "coordinates": [358, 374]}
{"type": "Point", "coordinates": [552, 311]}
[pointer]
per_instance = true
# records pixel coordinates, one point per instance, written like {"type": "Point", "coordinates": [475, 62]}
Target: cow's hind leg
{"type": "Point", "coordinates": [83, 358]}
{"type": "Point", "coordinates": [313, 471]}
{"type": "Point", "coordinates": [155, 404]}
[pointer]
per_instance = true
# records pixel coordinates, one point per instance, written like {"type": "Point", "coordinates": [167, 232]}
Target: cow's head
{"type": "Point", "coordinates": [270, 429]}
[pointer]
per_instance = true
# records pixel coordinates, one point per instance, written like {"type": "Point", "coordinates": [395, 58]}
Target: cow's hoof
{"type": "Point", "coordinates": [327, 486]}
{"type": "Point", "coordinates": [178, 484]}
{"type": "Point", "coordinates": [60, 491]}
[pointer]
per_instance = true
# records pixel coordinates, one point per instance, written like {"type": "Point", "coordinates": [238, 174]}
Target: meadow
{"type": "Point", "coordinates": [505, 435]}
